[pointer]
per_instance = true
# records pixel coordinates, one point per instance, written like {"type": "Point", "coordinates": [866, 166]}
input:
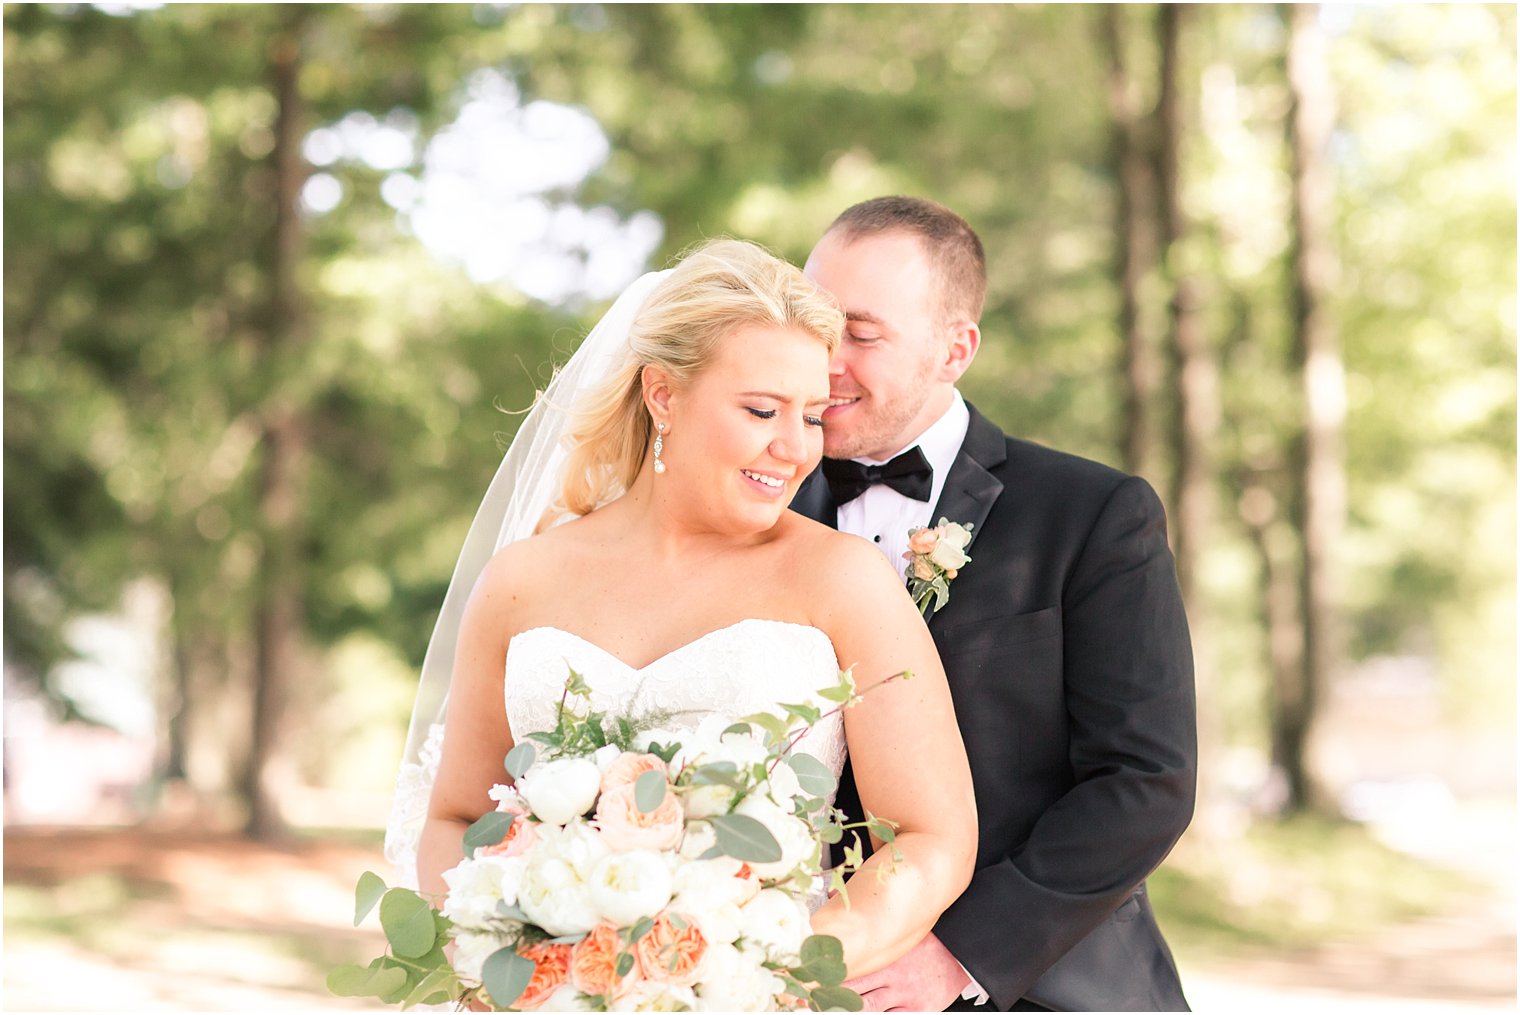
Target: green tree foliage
{"type": "Point", "coordinates": [137, 201]}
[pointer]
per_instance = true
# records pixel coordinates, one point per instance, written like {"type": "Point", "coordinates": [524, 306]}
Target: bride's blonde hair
{"type": "Point", "coordinates": [717, 288]}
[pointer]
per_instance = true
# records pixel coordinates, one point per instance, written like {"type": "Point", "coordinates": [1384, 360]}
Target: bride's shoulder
{"type": "Point", "coordinates": [831, 558]}
{"type": "Point", "coordinates": [523, 564]}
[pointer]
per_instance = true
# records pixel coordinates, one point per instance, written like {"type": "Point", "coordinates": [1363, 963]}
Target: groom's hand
{"type": "Point", "coordinates": [928, 978]}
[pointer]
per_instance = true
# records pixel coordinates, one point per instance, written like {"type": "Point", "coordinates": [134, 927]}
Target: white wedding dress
{"type": "Point", "coordinates": [750, 666]}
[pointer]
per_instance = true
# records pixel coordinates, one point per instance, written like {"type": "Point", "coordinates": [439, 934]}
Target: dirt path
{"type": "Point", "coordinates": [134, 920]}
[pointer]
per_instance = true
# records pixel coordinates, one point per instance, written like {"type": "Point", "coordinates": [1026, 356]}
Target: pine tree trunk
{"type": "Point", "coordinates": [1278, 551]}
{"type": "Point", "coordinates": [277, 622]}
{"type": "Point", "coordinates": [1195, 419]}
{"type": "Point", "coordinates": [1319, 503]}
{"type": "Point", "coordinates": [1135, 248]}
{"type": "Point", "coordinates": [1195, 373]}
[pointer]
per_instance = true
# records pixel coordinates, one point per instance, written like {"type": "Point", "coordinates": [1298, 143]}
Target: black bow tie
{"type": "Point", "coordinates": [910, 474]}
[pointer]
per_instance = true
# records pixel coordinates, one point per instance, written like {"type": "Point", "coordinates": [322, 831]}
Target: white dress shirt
{"type": "Point", "coordinates": [884, 516]}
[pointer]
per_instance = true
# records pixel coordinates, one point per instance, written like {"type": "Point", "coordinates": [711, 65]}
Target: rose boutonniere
{"type": "Point", "coordinates": [935, 556]}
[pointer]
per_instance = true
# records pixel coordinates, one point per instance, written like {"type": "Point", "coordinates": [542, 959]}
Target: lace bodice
{"type": "Point", "coordinates": [746, 667]}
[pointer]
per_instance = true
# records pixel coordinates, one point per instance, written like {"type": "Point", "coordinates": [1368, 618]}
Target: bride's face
{"type": "Point", "coordinates": [748, 428]}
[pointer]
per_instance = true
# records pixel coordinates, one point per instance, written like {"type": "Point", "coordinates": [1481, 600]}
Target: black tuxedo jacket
{"type": "Point", "coordinates": [1068, 657]}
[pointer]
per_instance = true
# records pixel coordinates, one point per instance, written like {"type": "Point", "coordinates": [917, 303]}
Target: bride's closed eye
{"type": "Point", "coordinates": [771, 414]}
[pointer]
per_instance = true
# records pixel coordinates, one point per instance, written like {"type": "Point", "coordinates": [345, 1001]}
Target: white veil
{"type": "Point", "coordinates": [527, 483]}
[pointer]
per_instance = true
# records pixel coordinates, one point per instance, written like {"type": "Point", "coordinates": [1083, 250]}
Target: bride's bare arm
{"type": "Point", "coordinates": [476, 736]}
{"type": "Point", "coordinates": [908, 759]}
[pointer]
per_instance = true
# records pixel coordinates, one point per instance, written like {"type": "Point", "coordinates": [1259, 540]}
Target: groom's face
{"type": "Point", "coordinates": [887, 381]}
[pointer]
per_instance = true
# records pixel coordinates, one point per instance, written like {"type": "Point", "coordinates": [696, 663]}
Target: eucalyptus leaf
{"type": "Point", "coordinates": [362, 981]}
{"type": "Point", "coordinates": [505, 975]}
{"type": "Point", "coordinates": [822, 947]}
{"type": "Point", "coordinates": [744, 838]}
{"type": "Point", "coordinates": [366, 893]}
{"type": "Point", "coordinates": [834, 998]}
{"type": "Point", "coordinates": [740, 727]}
{"type": "Point", "coordinates": [509, 912]}
{"type": "Point", "coordinates": [638, 930]}
{"type": "Point", "coordinates": [717, 773]}
{"type": "Point", "coordinates": [520, 759]}
{"type": "Point", "coordinates": [408, 979]}
{"type": "Point", "coordinates": [436, 982]}
{"type": "Point", "coordinates": [649, 790]}
{"type": "Point", "coordinates": [408, 923]}
{"type": "Point", "coordinates": [488, 830]}
{"type": "Point", "coordinates": [830, 833]}
{"type": "Point", "coordinates": [815, 778]}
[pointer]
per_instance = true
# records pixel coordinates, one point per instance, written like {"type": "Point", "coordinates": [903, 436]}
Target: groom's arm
{"type": "Point", "coordinates": [1133, 750]}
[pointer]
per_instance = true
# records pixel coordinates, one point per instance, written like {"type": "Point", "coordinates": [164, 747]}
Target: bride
{"type": "Point", "coordinates": [651, 482]}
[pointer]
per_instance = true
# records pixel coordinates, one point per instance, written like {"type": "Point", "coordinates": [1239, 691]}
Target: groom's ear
{"type": "Point", "coordinates": [657, 391]}
{"type": "Point", "coordinates": [964, 338]}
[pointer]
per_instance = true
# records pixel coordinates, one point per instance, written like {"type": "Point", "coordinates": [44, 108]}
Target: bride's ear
{"type": "Point", "coordinates": [657, 391]}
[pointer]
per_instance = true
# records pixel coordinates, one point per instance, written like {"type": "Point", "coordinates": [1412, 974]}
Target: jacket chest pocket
{"type": "Point", "coordinates": [994, 634]}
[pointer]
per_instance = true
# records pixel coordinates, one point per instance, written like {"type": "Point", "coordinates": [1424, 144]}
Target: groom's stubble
{"type": "Point", "coordinates": [897, 377]}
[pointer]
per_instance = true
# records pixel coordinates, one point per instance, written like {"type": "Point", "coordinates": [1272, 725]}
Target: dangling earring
{"type": "Point", "coordinates": [659, 447]}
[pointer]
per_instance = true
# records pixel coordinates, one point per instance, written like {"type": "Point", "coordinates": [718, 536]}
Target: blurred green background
{"type": "Point", "coordinates": [276, 280]}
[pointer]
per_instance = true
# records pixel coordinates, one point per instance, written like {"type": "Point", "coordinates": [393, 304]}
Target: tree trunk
{"type": "Point", "coordinates": [1278, 552]}
{"type": "Point", "coordinates": [1134, 248]}
{"type": "Point", "coordinates": [1195, 419]}
{"type": "Point", "coordinates": [1319, 501]}
{"type": "Point", "coordinates": [1195, 374]}
{"type": "Point", "coordinates": [278, 614]}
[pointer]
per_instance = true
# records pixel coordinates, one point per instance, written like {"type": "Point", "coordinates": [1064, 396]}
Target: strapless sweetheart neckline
{"type": "Point", "coordinates": [678, 650]}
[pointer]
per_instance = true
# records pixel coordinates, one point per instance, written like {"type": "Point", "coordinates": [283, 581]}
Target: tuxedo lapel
{"type": "Point", "coordinates": [971, 489]}
{"type": "Point", "coordinates": [814, 501]}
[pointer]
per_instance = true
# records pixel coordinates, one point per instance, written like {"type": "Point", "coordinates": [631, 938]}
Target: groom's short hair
{"type": "Point", "coordinates": [951, 244]}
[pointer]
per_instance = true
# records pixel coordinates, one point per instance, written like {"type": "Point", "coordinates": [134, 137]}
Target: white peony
{"type": "Point", "coordinates": [555, 891]}
{"type": "Point", "coordinates": [477, 886]}
{"type": "Point", "coordinates": [566, 998]}
{"type": "Point", "coordinates": [561, 790]}
{"type": "Point", "coordinates": [629, 885]}
{"type": "Point", "coordinates": [784, 784]}
{"type": "Point", "coordinates": [505, 795]}
{"type": "Point", "coordinates": [736, 981]}
{"type": "Point", "coordinates": [698, 838]}
{"type": "Point", "coordinates": [644, 995]}
{"type": "Point", "coordinates": [777, 922]}
{"type": "Point", "coordinates": [711, 892]}
{"type": "Point", "coordinates": [705, 801]}
{"type": "Point", "coordinates": [470, 954]}
{"type": "Point", "coordinates": [794, 835]}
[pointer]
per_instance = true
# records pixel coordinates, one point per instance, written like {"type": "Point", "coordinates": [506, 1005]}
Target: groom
{"type": "Point", "coordinates": [1064, 638]}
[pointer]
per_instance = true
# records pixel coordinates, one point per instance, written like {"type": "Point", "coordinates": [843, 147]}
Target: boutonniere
{"type": "Point", "coordinates": [935, 555]}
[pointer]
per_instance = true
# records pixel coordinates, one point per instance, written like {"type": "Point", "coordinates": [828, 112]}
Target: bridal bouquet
{"type": "Point", "coordinates": [632, 869]}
